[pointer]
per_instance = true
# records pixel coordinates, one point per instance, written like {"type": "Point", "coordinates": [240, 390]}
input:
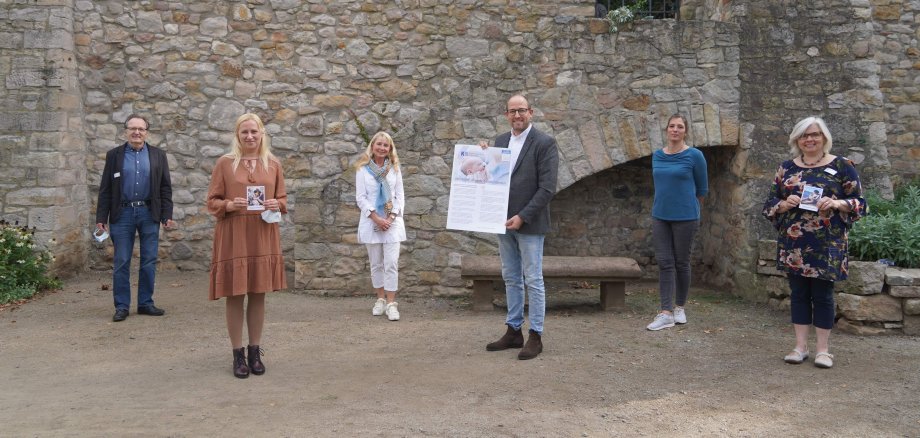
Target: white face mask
{"type": "Point", "coordinates": [100, 235]}
{"type": "Point", "coordinates": [271, 216]}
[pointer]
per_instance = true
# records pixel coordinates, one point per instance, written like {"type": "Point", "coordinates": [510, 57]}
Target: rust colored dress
{"type": "Point", "coordinates": [246, 256]}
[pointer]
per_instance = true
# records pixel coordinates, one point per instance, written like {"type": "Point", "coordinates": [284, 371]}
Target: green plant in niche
{"type": "Point", "coordinates": [624, 14]}
{"type": "Point", "coordinates": [23, 267]}
{"type": "Point", "coordinates": [892, 230]}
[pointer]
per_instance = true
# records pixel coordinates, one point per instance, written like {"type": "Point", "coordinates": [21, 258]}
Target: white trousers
{"type": "Point", "coordinates": [384, 260]}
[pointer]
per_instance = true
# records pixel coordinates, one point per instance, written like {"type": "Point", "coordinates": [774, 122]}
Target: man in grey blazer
{"type": "Point", "coordinates": [533, 183]}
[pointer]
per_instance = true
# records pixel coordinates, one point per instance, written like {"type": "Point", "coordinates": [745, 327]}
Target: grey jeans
{"type": "Point", "coordinates": [673, 242]}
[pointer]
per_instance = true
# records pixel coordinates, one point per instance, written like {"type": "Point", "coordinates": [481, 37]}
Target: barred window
{"type": "Point", "coordinates": [652, 9]}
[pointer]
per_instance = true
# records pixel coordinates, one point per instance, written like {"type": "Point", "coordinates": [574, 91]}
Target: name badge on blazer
{"type": "Point", "coordinates": [830, 171]}
{"type": "Point", "coordinates": [117, 174]}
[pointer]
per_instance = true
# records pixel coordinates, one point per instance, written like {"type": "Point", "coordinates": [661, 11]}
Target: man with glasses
{"type": "Point", "coordinates": [535, 159]}
{"type": "Point", "coordinates": [135, 197]}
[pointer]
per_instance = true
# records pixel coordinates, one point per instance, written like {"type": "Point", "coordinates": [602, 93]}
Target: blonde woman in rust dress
{"type": "Point", "coordinates": [246, 260]}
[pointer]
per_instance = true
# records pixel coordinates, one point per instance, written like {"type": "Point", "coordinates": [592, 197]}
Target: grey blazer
{"type": "Point", "coordinates": [533, 180]}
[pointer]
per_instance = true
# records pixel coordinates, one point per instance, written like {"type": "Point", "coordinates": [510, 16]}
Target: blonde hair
{"type": "Point", "coordinates": [799, 130]}
{"type": "Point", "coordinates": [368, 153]}
{"type": "Point", "coordinates": [236, 148]}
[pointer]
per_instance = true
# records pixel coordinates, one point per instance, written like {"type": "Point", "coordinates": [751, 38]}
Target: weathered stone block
{"type": "Point", "coordinates": [45, 121]}
{"type": "Point", "coordinates": [766, 250]}
{"type": "Point", "coordinates": [857, 328]}
{"type": "Point", "coordinates": [912, 306]}
{"type": "Point", "coordinates": [911, 325]}
{"type": "Point", "coordinates": [398, 89]}
{"type": "Point", "coordinates": [55, 39]}
{"type": "Point", "coordinates": [477, 128]}
{"type": "Point", "coordinates": [149, 21]}
{"type": "Point", "coordinates": [38, 197]}
{"type": "Point", "coordinates": [214, 27]}
{"type": "Point", "coordinates": [869, 308]}
{"type": "Point", "coordinates": [865, 278]}
{"type": "Point", "coordinates": [904, 291]}
{"type": "Point", "coordinates": [770, 269]}
{"type": "Point", "coordinates": [223, 113]}
{"type": "Point", "coordinates": [464, 47]}
{"type": "Point", "coordinates": [902, 277]}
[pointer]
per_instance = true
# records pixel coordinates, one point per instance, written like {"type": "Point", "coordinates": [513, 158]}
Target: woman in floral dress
{"type": "Point", "coordinates": [812, 245]}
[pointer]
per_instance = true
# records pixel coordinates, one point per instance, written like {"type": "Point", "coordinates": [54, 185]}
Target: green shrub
{"type": "Point", "coordinates": [891, 230]}
{"type": "Point", "coordinates": [23, 267]}
{"type": "Point", "coordinates": [624, 15]}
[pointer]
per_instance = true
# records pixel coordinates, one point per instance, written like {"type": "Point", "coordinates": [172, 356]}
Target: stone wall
{"type": "Point", "coordinates": [435, 73]}
{"type": "Point", "coordinates": [893, 47]}
{"type": "Point", "coordinates": [876, 299]}
{"type": "Point", "coordinates": [801, 59]}
{"type": "Point", "coordinates": [42, 176]}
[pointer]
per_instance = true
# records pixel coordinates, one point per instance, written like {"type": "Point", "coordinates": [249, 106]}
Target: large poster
{"type": "Point", "coordinates": [480, 180]}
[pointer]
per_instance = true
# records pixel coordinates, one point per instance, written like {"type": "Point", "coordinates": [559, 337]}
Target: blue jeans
{"type": "Point", "coordinates": [134, 221]}
{"type": "Point", "coordinates": [811, 301]}
{"type": "Point", "coordinates": [522, 264]}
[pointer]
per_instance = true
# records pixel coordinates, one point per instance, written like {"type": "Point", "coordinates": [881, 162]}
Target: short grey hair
{"type": "Point", "coordinates": [799, 130]}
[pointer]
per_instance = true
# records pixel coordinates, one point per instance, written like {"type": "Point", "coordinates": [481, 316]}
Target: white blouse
{"type": "Point", "coordinates": [366, 190]}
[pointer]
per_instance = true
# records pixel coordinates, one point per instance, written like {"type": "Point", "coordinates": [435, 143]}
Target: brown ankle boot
{"type": "Point", "coordinates": [533, 348]}
{"type": "Point", "coordinates": [511, 339]}
{"type": "Point", "coordinates": [240, 369]}
{"type": "Point", "coordinates": [255, 361]}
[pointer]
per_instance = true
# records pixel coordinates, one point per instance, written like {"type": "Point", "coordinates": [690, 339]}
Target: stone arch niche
{"type": "Point", "coordinates": [605, 97]}
{"type": "Point", "coordinates": [609, 214]}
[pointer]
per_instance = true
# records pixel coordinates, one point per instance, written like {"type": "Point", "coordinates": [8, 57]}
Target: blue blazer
{"type": "Point", "coordinates": [108, 205]}
{"type": "Point", "coordinates": [533, 180]}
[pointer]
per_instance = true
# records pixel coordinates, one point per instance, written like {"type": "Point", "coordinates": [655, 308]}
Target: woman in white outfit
{"type": "Point", "coordinates": [379, 194]}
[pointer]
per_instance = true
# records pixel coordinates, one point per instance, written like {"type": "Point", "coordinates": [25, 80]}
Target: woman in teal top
{"type": "Point", "coordinates": [679, 173]}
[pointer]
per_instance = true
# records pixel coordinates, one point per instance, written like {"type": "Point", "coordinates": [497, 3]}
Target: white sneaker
{"type": "Point", "coordinates": [661, 321]}
{"type": "Point", "coordinates": [680, 317]}
{"type": "Point", "coordinates": [392, 311]}
{"type": "Point", "coordinates": [378, 307]}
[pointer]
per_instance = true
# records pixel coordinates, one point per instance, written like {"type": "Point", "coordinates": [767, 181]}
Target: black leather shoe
{"type": "Point", "coordinates": [120, 315]}
{"type": "Point", "coordinates": [151, 310]}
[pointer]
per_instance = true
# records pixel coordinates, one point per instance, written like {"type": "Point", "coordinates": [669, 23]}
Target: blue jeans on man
{"type": "Point", "coordinates": [522, 265]}
{"type": "Point", "coordinates": [134, 221]}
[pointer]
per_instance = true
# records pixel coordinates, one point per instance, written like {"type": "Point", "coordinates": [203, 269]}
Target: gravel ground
{"type": "Point", "coordinates": [334, 370]}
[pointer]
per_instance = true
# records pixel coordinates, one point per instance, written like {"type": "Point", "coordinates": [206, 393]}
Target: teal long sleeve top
{"type": "Point", "coordinates": [679, 179]}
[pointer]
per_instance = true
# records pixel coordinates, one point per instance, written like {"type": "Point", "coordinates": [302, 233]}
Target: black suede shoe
{"type": "Point", "coordinates": [120, 315]}
{"type": "Point", "coordinates": [511, 339]}
{"type": "Point", "coordinates": [150, 310]}
{"type": "Point", "coordinates": [533, 347]}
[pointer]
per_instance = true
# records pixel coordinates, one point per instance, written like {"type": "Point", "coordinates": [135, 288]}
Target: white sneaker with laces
{"type": "Point", "coordinates": [379, 307]}
{"type": "Point", "coordinates": [392, 311]}
{"type": "Point", "coordinates": [680, 316]}
{"type": "Point", "coordinates": [661, 321]}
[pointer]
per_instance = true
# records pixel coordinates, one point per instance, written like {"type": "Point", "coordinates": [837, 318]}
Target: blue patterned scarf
{"type": "Point", "coordinates": [384, 197]}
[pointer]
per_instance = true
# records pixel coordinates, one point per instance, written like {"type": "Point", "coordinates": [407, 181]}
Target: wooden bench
{"type": "Point", "coordinates": [612, 272]}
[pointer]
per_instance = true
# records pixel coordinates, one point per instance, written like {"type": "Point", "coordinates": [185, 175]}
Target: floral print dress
{"type": "Point", "coordinates": [814, 243]}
